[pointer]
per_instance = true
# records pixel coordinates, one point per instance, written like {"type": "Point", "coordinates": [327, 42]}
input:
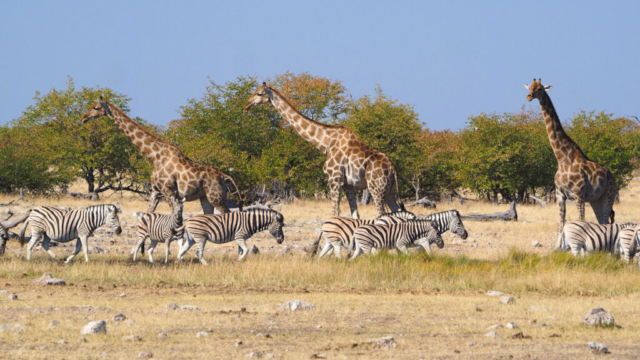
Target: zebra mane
{"type": "Point", "coordinates": [269, 212]}
{"type": "Point", "coordinates": [101, 208]}
{"type": "Point", "coordinates": [394, 213]}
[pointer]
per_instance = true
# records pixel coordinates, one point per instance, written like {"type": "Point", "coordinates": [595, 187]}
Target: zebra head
{"type": "Point", "coordinates": [275, 228]}
{"type": "Point", "coordinates": [112, 220]}
{"type": "Point", "coordinates": [434, 236]}
{"type": "Point", "coordinates": [457, 227]}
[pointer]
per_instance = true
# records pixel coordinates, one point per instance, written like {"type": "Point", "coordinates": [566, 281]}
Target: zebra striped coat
{"type": "Point", "coordinates": [159, 228]}
{"type": "Point", "coordinates": [238, 226]}
{"type": "Point", "coordinates": [368, 238]}
{"type": "Point", "coordinates": [448, 220]}
{"type": "Point", "coordinates": [338, 231]}
{"type": "Point", "coordinates": [63, 226]}
{"type": "Point", "coordinates": [581, 236]}
{"type": "Point", "coordinates": [629, 243]}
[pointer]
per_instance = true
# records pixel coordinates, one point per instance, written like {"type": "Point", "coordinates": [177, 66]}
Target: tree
{"type": "Point", "coordinates": [103, 157]}
{"type": "Point", "coordinates": [390, 127]}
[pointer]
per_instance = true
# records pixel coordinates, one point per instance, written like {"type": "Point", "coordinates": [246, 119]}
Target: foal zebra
{"type": "Point", "coordinates": [369, 238]}
{"type": "Point", "coordinates": [338, 230]}
{"type": "Point", "coordinates": [66, 225]}
{"type": "Point", "coordinates": [629, 243]}
{"type": "Point", "coordinates": [238, 226]}
{"type": "Point", "coordinates": [160, 228]}
{"type": "Point", "coordinates": [580, 236]}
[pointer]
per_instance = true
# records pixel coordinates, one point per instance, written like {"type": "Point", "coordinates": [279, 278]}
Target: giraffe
{"type": "Point", "coordinates": [578, 178]}
{"type": "Point", "coordinates": [175, 177]}
{"type": "Point", "coordinates": [350, 164]}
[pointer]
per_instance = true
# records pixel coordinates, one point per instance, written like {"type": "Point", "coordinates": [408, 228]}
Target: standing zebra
{"type": "Point", "coordinates": [369, 238]}
{"type": "Point", "coordinates": [238, 226]}
{"type": "Point", "coordinates": [580, 236]}
{"type": "Point", "coordinates": [338, 231]}
{"type": "Point", "coordinates": [67, 225]}
{"type": "Point", "coordinates": [160, 228]}
{"type": "Point", "coordinates": [629, 243]}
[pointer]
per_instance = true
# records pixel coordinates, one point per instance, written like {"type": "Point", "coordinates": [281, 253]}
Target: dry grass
{"type": "Point", "coordinates": [432, 306]}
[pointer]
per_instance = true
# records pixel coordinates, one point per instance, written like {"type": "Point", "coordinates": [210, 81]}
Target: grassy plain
{"type": "Point", "coordinates": [434, 307]}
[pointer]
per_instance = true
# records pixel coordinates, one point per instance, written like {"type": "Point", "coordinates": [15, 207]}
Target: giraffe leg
{"type": "Point", "coordinates": [580, 204]}
{"type": "Point", "coordinates": [562, 209]}
{"type": "Point", "coordinates": [598, 210]}
{"type": "Point", "coordinates": [353, 201]}
{"type": "Point", "coordinates": [207, 208]}
{"type": "Point", "coordinates": [378, 200]}
{"type": "Point", "coordinates": [335, 198]}
{"type": "Point", "coordinates": [390, 199]}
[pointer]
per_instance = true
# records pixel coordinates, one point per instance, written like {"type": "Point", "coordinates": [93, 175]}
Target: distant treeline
{"type": "Point", "coordinates": [47, 148]}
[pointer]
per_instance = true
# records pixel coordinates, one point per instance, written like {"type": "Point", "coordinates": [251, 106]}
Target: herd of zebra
{"type": "Point", "coordinates": [399, 230]}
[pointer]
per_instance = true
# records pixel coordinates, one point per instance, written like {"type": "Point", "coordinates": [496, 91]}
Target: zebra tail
{"type": "Point", "coordinates": [561, 240]}
{"type": "Point", "coordinates": [314, 246]}
{"type": "Point", "coordinates": [22, 232]}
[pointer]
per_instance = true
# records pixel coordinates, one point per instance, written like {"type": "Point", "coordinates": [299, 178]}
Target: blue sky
{"type": "Point", "coordinates": [449, 59]}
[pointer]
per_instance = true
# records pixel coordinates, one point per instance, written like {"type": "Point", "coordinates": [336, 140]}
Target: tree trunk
{"type": "Point", "coordinates": [21, 198]}
{"type": "Point", "coordinates": [508, 215]}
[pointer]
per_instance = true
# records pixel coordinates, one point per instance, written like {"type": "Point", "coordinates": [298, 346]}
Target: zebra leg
{"type": "Point", "coordinates": [78, 248]}
{"type": "Point", "coordinates": [85, 248]}
{"type": "Point", "coordinates": [34, 240]}
{"type": "Point", "coordinates": [560, 239]}
{"type": "Point", "coordinates": [45, 246]}
{"type": "Point", "coordinates": [243, 244]}
{"type": "Point", "coordinates": [327, 247]}
{"type": "Point", "coordinates": [424, 243]}
{"type": "Point", "coordinates": [135, 249]}
{"type": "Point", "coordinates": [357, 252]}
{"type": "Point", "coordinates": [186, 245]}
{"type": "Point", "coordinates": [200, 250]}
{"type": "Point", "coordinates": [152, 247]}
{"type": "Point", "coordinates": [166, 249]}
{"type": "Point", "coordinates": [402, 249]}
{"type": "Point", "coordinates": [374, 252]}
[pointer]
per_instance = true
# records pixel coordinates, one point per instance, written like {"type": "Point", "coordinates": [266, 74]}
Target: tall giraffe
{"type": "Point", "coordinates": [350, 165]}
{"type": "Point", "coordinates": [578, 178]}
{"type": "Point", "coordinates": [174, 175]}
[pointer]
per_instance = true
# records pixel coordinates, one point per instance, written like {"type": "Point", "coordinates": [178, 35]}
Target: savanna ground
{"type": "Point", "coordinates": [434, 307]}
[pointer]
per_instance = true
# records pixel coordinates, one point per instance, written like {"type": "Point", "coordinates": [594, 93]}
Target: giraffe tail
{"type": "Point", "coordinates": [237, 192]}
{"type": "Point", "coordinates": [314, 246]}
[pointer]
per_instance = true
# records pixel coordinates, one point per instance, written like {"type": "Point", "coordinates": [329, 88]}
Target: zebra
{"type": "Point", "coordinates": [238, 226]}
{"type": "Point", "coordinates": [580, 237]}
{"type": "Point", "coordinates": [629, 243]}
{"type": "Point", "coordinates": [369, 238]}
{"type": "Point", "coordinates": [448, 220]}
{"type": "Point", "coordinates": [339, 230]}
{"type": "Point", "coordinates": [160, 228]}
{"type": "Point", "coordinates": [63, 226]}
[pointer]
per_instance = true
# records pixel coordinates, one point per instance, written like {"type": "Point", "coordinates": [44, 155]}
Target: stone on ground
{"type": "Point", "coordinates": [598, 317]}
{"type": "Point", "coordinates": [494, 293]}
{"type": "Point", "coordinates": [511, 325]}
{"type": "Point", "coordinates": [294, 305]}
{"type": "Point", "coordinates": [492, 334]}
{"type": "Point", "coordinates": [145, 354]}
{"type": "Point", "coordinates": [507, 300]}
{"type": "Point", "coordinates": [94, 327]}
{"type": "Point", "coordinates": [598, 348]}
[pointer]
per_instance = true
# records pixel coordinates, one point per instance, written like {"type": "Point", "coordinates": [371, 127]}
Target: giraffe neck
{"type": "Point", "coordinates": [139, 136]}
{"type": "Point", "coordinates": [561, 143]}
{"type": "Point", "coordinates": [310, 130]}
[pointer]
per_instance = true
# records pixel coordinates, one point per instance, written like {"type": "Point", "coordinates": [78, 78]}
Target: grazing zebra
{"type": "Point", "coordinates": [66, 225]}
{"type": "Point", "coordinates": [160, 228]}
{"type": "Point", "coordinates": [448, 220]}
{"type": "Point", "coordinates": [338, 230]}
{"type": "Point", "coordinates": [629, 240]}
{"type": "Point", "coordinates": [580, 236]}
{"type": "Point", "coordinates": [238, 226]}
{"type": "Point", "coordinates": [369, 238]}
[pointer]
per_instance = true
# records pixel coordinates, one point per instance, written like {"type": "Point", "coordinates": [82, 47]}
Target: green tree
{"type": "Point", "coordinates": [95, 151]}
{"type": "Point", "coordinates": [390, 127]}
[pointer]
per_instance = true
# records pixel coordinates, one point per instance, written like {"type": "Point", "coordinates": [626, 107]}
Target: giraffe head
{"type": "Point", "coordinates": [259, 97]}
{"type": "Point", "coordinates": [536, 90]}
{"type": "Point", "coordinates": [100, 108]}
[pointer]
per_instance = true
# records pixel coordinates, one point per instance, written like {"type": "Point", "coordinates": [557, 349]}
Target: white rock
{"type": "Point", "coordinates": [494, 327]}
{"type": "Point", "coordinates": [54, 324]}
{"type": "Point", "coordinates": [254, 355]}
{"type": "Point", "coordinates": [507, 300]}
{"type": "Point", "coordinates": [162, 336]}
{"type": "Point", "coordinates": [294, 305]}
{"type": "Point", "coordinates": [13, 297]}
{"type": "Point", "coordinates": [189, 307]}
{"type": "Point", "coordinates": [385, 343]}
{"type": "Point", "coordinates": [494, 293]}
{"type": "Point", "coordinates": [511, 325]}
{"type": "Point", "coordinates": [119, 317]}
{"type": "Point", "coordinates": [4, 291]}
{"type": "Point", "coordinates": [145, 354]}
{"type": "Point", "coordinates": [535, 243]}
{"type": "Point", "coordinates": [598, 348]}
{"type": "Point", "coordinates": [94, 327]}
{"type": "Point", "coordinates": [129, 322]}
{"type": "Point", "coordinates": [17, 327]}
{"type": "Point", "coordinates": [598, 317]}
{"type": "Point", "coordinates": [202, 334]}
{"type": "Point", "coordinates": [269, 356]}
{"type": "Point", "coordinates": [62, 342]}
{"type": "Point", "coordinates": [471, 343]}
{"type": "Point", "coordinates": [492, 334]}
{"type": "Point", "coordinates": [173, 306]}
